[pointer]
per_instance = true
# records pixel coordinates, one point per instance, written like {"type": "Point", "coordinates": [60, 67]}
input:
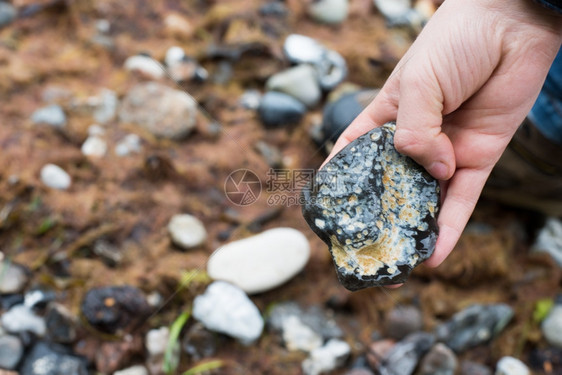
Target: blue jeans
{"type": "Point", "coordinates": [546, 114]}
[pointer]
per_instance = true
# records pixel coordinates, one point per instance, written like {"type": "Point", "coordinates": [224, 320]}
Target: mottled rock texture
{"type": "Point", "coordinates": [376, 209]}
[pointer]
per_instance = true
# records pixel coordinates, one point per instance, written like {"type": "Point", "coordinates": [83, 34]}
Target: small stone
{"type": "Point", "coordinates": [145, 65]}
{"type": "Point", "coordinates": [114, 308]}
{"type": "Point", "coordinates": [274, 8]}
{"type": "Point", "coordinates": [110, 356]}
{"type": "Point", "coordinates": [20, 319]}
{"type": "Point", "coordinates": [178, 26]}
{"type": "Point", "coordinates": [329, 11]}
{"type": "Point", "coordinates": [199, 343]}
{"type": "Point", "coordinates": [250, 99]}
{"type": "Point", "coordinates": [187, 231]}
{"type": "Point", "coordinates": [156, 341]}
{"type": "Point", "coordinates": [8, 14]}
{"type": "Point", "coordinates": [440, 360]}
{"type": "Point", "coordinates": [163, 111]}
{"type": "Point", "coordinates": [174, 55]}
{"type": "Point", "coordinates": [549, 240]}
{"type": "Point", "coordinates": [51, 359]}
{"type": "Point", "coordinates": [11, 351]}
{"type": "Point", "coordinates": [402, 321]}
{"type": "Point", "coordinates": [511, 366]}
{"type": "Point", "coordinates": [103, 26]}
{"type": "Point", "coordinates": [129, 144]}
{"type": "Point", "coordinates": [225, 308]}
{"type": "Point", "coordinates": [61, 324]}
{"type": "Point", "coordinates": [52, 115]}
{"type": "Point", "coordinates": [13, 278]}
{"type": "Point", "coordinates": [404, 356]}
{"type": "Point", "coordinates": [134, 370]}
{"type": "Point", "coordinates": [298, 336]}
{"type": "Point", "coordinates": [378, 351]}
{"type": "Point", "coordinates": [552, 327]}
{"type": "Point", "coordinates": [180, 67]}
{"type": "Point", "coordinates": [277, 109]}
{"type": "Point", "coordinates": [326, 358]}
{"type": "Point", "coordinates": [261, 262]}
{"type": "Point", "coordinates": [474, 325]}
{"type": "Point", "coordinates": [105, 106]}
{"type": "Point", "coordinates": [38, 298]}
{"type": "Point", "coordinates": [473, 368]}
{"type": "Point", "coordinates": [332, 70]}
{"type": "Point", "coordinates": [55, 177]}
{"type": "Point", "coordinates": [394, 9]}
{"type": "Point", "coordinates": [94, 146]}
{"type": "Point", "coordinates": [376, 209]}
{"type": "Point", "coordinates": [300, 82]}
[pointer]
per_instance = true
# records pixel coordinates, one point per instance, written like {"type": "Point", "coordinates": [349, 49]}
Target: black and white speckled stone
{"type": "Point", "coordinates": [376, 209]}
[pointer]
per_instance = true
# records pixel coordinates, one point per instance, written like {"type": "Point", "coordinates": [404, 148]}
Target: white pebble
{"type": "Point", "coordinates": [94, 146]}
{"type": "Point", "coordinates": [135, 370]}
{"type": "Point", "coordinates": [145, 65]}
{"type": "Point", "coordinates": [95, 129]}
{"type": "Point", "coordinates": [174, 55]}
{"type": "Point", "coordinates": [55, 177]}
{"type": "Point", "coordinates": [327, 357]}
{"type": "Point", "coordinates": [187, 231]}
{"type": "Point", "coordinates": [511, 366]}
{"type": "Point", "coordinates": [156, 341]}
{"type": "Point", "coordinates": [131, 143]}
{"type": "Point", "coordinates": [21, 319]}
{"type": "Point", "coordinates": [299, 336]}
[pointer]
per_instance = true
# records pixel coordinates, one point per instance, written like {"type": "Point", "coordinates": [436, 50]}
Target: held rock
{"type": "Point", "coordinates": [376, 209]}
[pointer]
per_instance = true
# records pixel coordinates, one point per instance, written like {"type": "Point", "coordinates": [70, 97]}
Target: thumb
{"type": "Point", "coordinates": [418, 123]}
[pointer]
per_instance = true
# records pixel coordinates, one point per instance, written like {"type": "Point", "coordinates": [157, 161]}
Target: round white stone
{"type": "Point", "coordinates": [156, 341]}
{"type": "Point", "coordinates": [511, 366]}
{"type": "Point", "coordinates": [300, 82]}
{"type": "Point", "coordinates": [55, 177]}
{"type": "Point", "coordinates": [329, 11]}
{"type": "Point", "coordinates": [146, 65]}
{"type": "Point", "coordinates": [262, 262]}
{"type": "Point", "coordinates": [174, 56]}
{"type": "Point", "coordinates": [187, 231]}
{"type": "Point", "coordinates": [94, 146]}
{"type": "Point", "coordinates": [303, 49]}
{"type": "Point", "coordinates": [225, 308]}
{"type": "Point", "coordinates": [552, 327]}
{"type": "Point", "coordinates": [393, 8]}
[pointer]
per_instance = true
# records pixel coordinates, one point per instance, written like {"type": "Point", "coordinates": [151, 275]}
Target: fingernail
{"type": "Point", "coordinates": [439, 170]}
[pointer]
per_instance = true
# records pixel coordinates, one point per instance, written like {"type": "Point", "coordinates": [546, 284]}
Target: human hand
{"type": "Point", "coordinates": [459, 94]}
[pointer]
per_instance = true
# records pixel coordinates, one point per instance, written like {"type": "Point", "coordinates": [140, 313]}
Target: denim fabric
{"type": "Point", "coordinates": [546, 114]}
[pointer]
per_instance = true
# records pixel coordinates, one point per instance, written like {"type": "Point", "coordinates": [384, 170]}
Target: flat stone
{"type": "Point", "coordinates": [55, 177]}
{"type": "Point", "coordinates": [329, 11]}
{"type": "Point", "coordinates": [262, 262]}
{"type": "Point", "coordinates": [552, 327]}
{"type": "Point", "coordinates": [20, 319]}
{"type": "Point", "coordinates": [277, 109]}
{"type": "Point", "coordinates": [187, 231]}
{"type": "Point", "coordinates": [376, 209]}
{"type": "Point", "coordinates": [300, 82]}
{"type": "Point", "coordinates": [11, 351]}
{"type": "Point", "coordinates": [440, 360]}
{"type": "Point", "coordinates": [52, 115]}
{"type": "Point", "coordinates": [226, 309]}
{"type": "Point", "coordinates": [474, 325]}
{"type": "Point", "coordinates": [13, 278]}
{"type": "Point", "coordinates": [163, 111]}
{"type": "Point", "coordinates": [326, 358]}
{"type": "Point", "coordinates": [511, 366]}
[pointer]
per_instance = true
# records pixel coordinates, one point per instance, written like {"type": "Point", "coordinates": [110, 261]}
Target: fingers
{"type": "Point", "coordinates": [462, 194]}
{"type": "Point", "coordinates": [418, 125]}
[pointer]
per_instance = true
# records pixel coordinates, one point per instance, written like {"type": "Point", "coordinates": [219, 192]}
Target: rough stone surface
{"type": "Point", "coordinates": [376, 209]}
{"type": "Point", "coordinates": [55, 177]}
{"type": "Point", "coordinates": [511, 366]}
{"type": "Point", "coordinates": [11, 351]}
{"type": "Point", "coordinates": [402, 321]}
{"type": "Point", "coordinates": [52, 115]}
{"type": "Point", "coordinates": [20, 318]}
{"type": "Point", "coordinates": [552, 327]}
{"type": "Point", "coordinates": [300, 82]}
{"type": "Point", "coordinates": [262, 262]}
{"type": "Point", "coordinates": [278, 109]}
{"type": "Point", "coordinates": [12, 278]}
{"type": "Point", "coordinates": [161, 110]}
{"type": "Point", "coordinates": [404, 356]}
{"type": "Point", "coordinates": [326, 358]}
{"type": "Point", "coordinates": [225, 308]}
{"type": "Point", "coordinates": [474, 325]}
{"type": "Point", "coordinates": [187, 231]}
{"type": "Point", "coordinates": [440, 360]}
{"type": "Point", "coordinates": [48, 359]}
{"type": "Point", "coordinates": [109, 309]}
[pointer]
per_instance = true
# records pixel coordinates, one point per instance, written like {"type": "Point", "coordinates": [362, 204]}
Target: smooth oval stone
{"type": "Point", "coordinates": [376, 209]}
{"type": "Point", "coordinates": [262, 262]}
{"type": "Point", "coordinates": [300, 82]}
{"type": "Point", "coordinates": [278, 109]}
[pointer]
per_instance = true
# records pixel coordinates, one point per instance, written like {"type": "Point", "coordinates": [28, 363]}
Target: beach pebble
{"type": "Point", "coordinates": [552, 326]}
{"type": "Point", "coordinates": [13, 278]}
{"type": "Point", "coordinates": [511, 366]}
{"type": "Point", "coordinates": [187, 231]}
{"type": "Point", "coordinates": [55, 177]}
{"type": "Point", "coordinates": [145, 65]}
{"type": "Point", "coordinates": [21, 319]}
{"type": "Point", "coordinates": [300, 82]}
{"type": "Point", "coordinates": [326, 358]}
{"type": "Point", "coordinates": [52, 115]}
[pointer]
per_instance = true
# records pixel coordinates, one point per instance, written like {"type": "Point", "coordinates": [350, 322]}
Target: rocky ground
{"type": "Point", "coordinates": [113, 197]}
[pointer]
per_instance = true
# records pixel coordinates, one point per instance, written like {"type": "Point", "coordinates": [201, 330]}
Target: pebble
{"type": "Point", "coordinates": [114, 308]}
{"type": "Point", "coordinates": [180, 66]}
{"type": "Point", "coordinates": [13, 278]}
{"type": "Point", "coordinates": [549, 240]}
{"type": "Point", "coordinates": [332, 70]}
{"type": "Point", "coordinates": [261, 262]}
{"type": "Point", "coordinates": [402, 321]}
{"type": "Point", "coordinates": [156, 341]}
{"type": "Point", "coordinates": [105, 106]}
{"type": "Point", "coordinates": [52, 115]}
{"type": "Point", "coordinates": [20, 319]}
{"type": "Point", "coordinates": [552, 326]}
{"type": "Point", "coordinates": [187, 231]}
{"type": "Point", "coordinates": [162, 111]}
{"type": "Point", "coordinates": [225, 308]}
{"type": "Point", "coordinates": [300, 82]}
{"type": "Point", "coordinates": [250, 99]}
{"type": "Point", "coordinates": [378, 351]}
{"type": "Point", "coordinates": [61, 324]}
{"type": "Point", "coordinates": [8, 14]}
{"type": "Point", "coordinates": [134, 370]}
{"type": "Point", "coordinates": [39, 298]}
{"type": "Point", "coordinates": [351, 204]}
{"type": "Point", "coordinates": [440, 360]}
{"type": "Point", "coordinates": [274, 8]}
{"type": "Point", "coordinates": [394, 9]}
{"type": "Point", "coordinates": [314, 317]}
{"type": "Point", "coordinates": [94, 146]}
{"type": "Point", "coordinates": [298, 336]}
{"type": "Point", "coordinates": [473, 368]}
{"type": "Point", "coordinates": [174, 55]}
{"type": "Point", "coordinates": [199, 343]}
{"type": "Point", "coordinates": [329, 11]}
{"type": "Point", "coordinates": [326, 358]}
{"type": "Point", "coordinates": [145, 65]}
{"type": "Point", "coordinates": [511, 366]}
{"type": "Point", "coordinates": [403, 358]}
{"type": "Point", "coordinates": [11, 351]}
{"type": "Point", "coordinates": [474, 325]}
{"type": "Point", "coordinates": [49, 359]}
{"type": "Point", "coordinates": [55, 177]}
{"type": "Point", "coordinates": [129, 144]}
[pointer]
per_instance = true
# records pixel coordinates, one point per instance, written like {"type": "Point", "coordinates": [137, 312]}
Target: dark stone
{"type": "Point", "coordinates": [109, 309]}
{"type": "Point", "coordinates": [376, 209]}
{"type": "Point", "coordinates": [474, 325]}
{"type": "Point", "coordinates": [540, 359]}
{"type": "Point", "coordinates": [403, 358]}
{"type": "Point", "coordinates": [199, 343]}
{"type": "Point", "coordinates": [11, 351]}
{"type": "Point", "coordinates": [278, 109]}
{"type": "Point", "coordinates": [403, 320]}
{"type": "Point", "coordinates": [7, 301]}
{"type": "Point", "coordinates": [51, 359]}
{"type": "Point", "coordinates": [61, 325]}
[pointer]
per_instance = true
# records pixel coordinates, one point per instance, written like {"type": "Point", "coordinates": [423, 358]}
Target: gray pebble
{"type": "Point", "coordinates": [549, 240]}
{"type": "Point", "coordinates": [552, 327]}
{"type": "Point", "coordinates": [13, 278]}
{"type": "Point", "coordinates": [440, 360]}
{"type": "Point", "coordinates": [52, 115]}
{"type": "Point", "coordinates": [55, 177]}
{"type": "Point", "coordinates": [326, 358]}
{"type": "Point", "coordinates": [300, 82]}
{"type": "Point", "coordinates": [11, 351]}
{"type": "Point", "coordinates": [278, 109]}
{"type": "Point", "coordinates": [50, 359]}
{"type": "Point", "coordinates": [404, 356]}
{"type": "Point", "coordinates": [473, 368]}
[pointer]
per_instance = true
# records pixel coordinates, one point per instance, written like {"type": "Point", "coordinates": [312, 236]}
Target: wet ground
{"type": "Point", "coordinates": [56, 52]}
